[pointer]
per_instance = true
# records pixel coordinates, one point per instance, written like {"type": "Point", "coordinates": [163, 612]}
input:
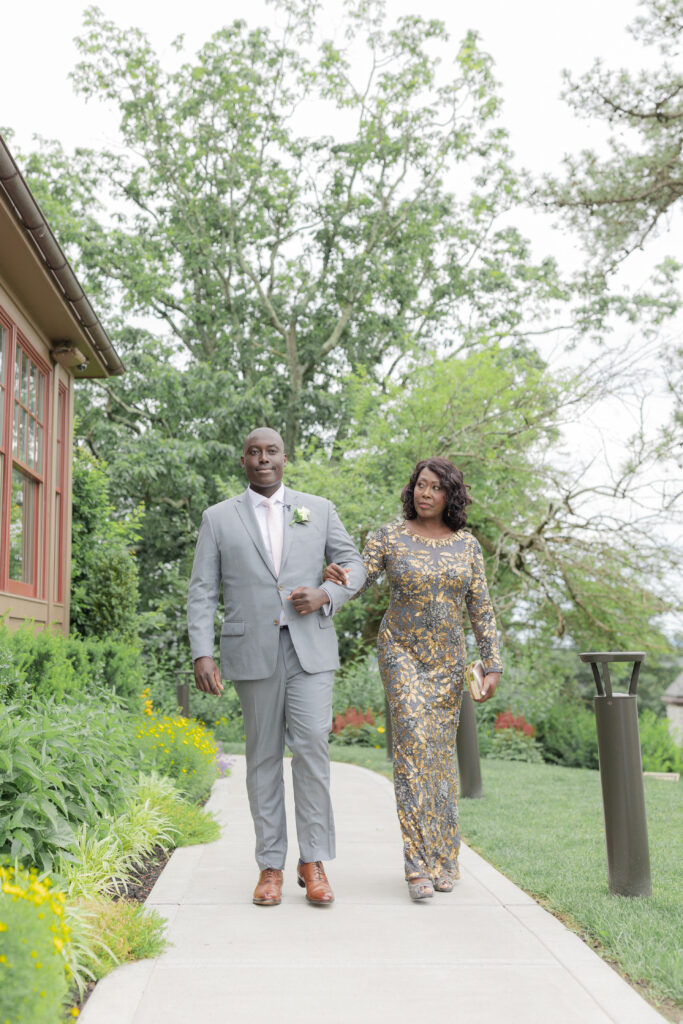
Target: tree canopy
{"type": "Point", "coordinates": [361, 288]}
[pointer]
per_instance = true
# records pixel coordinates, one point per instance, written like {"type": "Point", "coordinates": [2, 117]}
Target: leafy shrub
{"type": "Point", "coordinates": [660, 752]}
{"type": "Point", "coordinates": [513, 745]}
{"type": "Point", "coordinates": [568, 735]}
{"type": "Point", "coordinates": [33, 940]}
{"type": "Point", "coordinates": [104, 576]}
{"type": "Point", "coordinates": [359, 727]}
{"type": "Point", "coordinates": [60, 765]}
{"type": "Point", "coordinates": [513, 739]}
{"type": "Point", "coordinates": [181, 748]}
{"type": "Point", "coordinates": [51, 665]}
{"type": "Point", "coordinates": [358, 685]}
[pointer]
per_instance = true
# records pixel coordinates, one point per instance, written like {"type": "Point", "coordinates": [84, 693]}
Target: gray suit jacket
{"type": "Point", "coordinates": [230, 552]}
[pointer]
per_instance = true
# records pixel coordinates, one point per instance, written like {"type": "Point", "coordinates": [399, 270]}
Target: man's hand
{"type": "Point", "coordinates": [308, 599]}
{"type": "Point", "coordinates": [207, 677]}
{"type": "Point", "coordinates": [335, 574]}
{"type": "Point", "coordinates": [488, 687]}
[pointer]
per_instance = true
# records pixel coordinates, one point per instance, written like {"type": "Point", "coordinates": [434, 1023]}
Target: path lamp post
{"type": "Point", "coordinates": [182, 689]}
{"type": "Point", "coordinates": [467, 750]}
{"type": "Point", "coordinates": [621, 774]}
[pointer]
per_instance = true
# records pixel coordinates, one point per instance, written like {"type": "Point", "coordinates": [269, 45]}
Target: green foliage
{"type": "Point", "coordinates": [33, 938]}
{"type": "Point", "coordinates": [512, 745]}
{"type": "Point", "coordinates": [47, 664]}
{"type": "Point", "coordinates": [659, 751]}
{"type": "Point", "coordinates": [181, 748]}
{"type": "Point", "coordinates": [358, 685]}
{"type": "Point", "coordinates": [617, 201]}
{"type": "Point", "coordinates": [568, 735]}
{"type": "Point", "coordinates": [118, 932]}
{"type": "Point", "coordinates": [104, 576]}
{"type": "Point", "coordinates": [361, 728]}
{"type": "Point", "coordinates": [61, 765]}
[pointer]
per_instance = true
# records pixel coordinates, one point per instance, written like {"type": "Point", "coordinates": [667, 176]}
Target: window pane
{"type": "Point", "coordinates": [41, 396]}
{"type": "Point", "coordinates": [15, 432]}
{"type": "Point", "coordinates": [23, 421]}
{"type": "Point", "coordinates": [22, 527]}
{"type": "Point", "coordinates": [31, 459]}
{"type": "Point", "coordinates": [32, 375]}
{"type": "Point", "coordinates": [39, 448]}
{"type": "Point", "coordinates": [17, 373]}
{"type": "Point", "coordinates": [24, 378]}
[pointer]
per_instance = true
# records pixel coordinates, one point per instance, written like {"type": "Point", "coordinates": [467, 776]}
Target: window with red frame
{"type": "Point", "coordinates": [23, 415]}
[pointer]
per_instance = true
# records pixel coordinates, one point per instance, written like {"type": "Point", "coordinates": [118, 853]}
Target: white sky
{"type": "Point", "coordinates": [531, 41]}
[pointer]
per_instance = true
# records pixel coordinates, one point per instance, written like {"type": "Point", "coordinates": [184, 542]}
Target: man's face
{"type": "Point", "coordinates": [264, 460]}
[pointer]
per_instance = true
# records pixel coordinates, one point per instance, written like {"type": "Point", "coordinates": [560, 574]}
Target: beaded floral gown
{"type": "Point", "coordinates": [422, 659]}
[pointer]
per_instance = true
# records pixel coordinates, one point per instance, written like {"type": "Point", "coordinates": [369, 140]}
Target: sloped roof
{"type": "Point", "coordinates": [38, 273]}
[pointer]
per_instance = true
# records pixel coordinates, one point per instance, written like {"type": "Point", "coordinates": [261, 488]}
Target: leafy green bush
{"type": "Point", "coordinates": [181, 748]}
{"type": "Point", "coordinates": [513, 745]}
{"type": "Point", "coordinates": [659, 751]}
{"type": "Point", "coordinates": [361, 728]}
{"type": "Point", "coordinates": [60, 765]}
{"type": "Point", "coordinates": [568, 735]}
{"type": "Point", "coordinates": [33, 939]}
{"type": "Point", "coordinates": [358, 685]}
{"type": "Point", "coordinates": [51, 665]}
{"type": "Point", "coordinates": [104, 576]}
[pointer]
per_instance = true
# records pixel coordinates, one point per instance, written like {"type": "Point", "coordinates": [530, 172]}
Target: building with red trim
{"type": "Point", "coordinates": [49, 337]}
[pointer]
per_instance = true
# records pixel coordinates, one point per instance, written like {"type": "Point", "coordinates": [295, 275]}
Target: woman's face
{"type": "Point", "coordinates": [429, 496]}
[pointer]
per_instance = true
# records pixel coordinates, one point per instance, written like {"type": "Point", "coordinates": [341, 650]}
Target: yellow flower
{"type": "Point", "coordinates": [380, 728]}
{"type": "Point", "coordinates": [3, 926]}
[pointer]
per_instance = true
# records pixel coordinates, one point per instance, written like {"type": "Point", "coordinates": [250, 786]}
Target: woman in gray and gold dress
{"type": "Point", "coordinates": [434, 567]}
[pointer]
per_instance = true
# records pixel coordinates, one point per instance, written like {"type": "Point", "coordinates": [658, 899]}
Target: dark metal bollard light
{"type": "Point", "coordinates": [467, 749]}
{"type": "Point", "coordinates": [621, 774]}
{"type": "Point", "coordinates": [182, 690]}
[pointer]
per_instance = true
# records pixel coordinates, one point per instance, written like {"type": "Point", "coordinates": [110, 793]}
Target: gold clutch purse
{"type": "Point", "coordinates": [474, 674]}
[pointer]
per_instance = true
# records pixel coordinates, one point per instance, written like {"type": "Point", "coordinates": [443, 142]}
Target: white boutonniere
{"type": "Point", "coordinates": [301, 515]}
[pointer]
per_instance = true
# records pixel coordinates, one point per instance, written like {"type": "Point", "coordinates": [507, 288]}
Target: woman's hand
{"type": "Point", "coordinates": [488, 687]}
{"type": "Point", "coordinates": [335, 574]}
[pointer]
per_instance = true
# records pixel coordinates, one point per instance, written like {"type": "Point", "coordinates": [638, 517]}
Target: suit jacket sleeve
{"type": "Point", "coordinates": [340, 548]}
{"type": "Point", "coordinates": [203, 593]}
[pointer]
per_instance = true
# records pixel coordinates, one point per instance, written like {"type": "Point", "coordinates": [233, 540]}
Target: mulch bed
{"type": "Point", "coordinates": [142, 881]}
{"type": "Point", "coordinates": [137, 890]}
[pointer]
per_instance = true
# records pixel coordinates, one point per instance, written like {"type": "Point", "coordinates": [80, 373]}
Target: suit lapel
{"type": "Point", "coordinates": [292, 499]}
{"type": "Point", "coordinates": [246, 513]}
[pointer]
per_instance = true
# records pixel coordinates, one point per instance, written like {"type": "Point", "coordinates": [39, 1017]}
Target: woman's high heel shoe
{"type": "Point", "coordinates": [420, 888]}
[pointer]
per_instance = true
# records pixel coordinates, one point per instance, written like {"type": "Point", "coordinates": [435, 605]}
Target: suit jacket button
{"type": "Point", "coordinates": [276, 622]}
{"type": "Point", "coordinates": [280, 587]}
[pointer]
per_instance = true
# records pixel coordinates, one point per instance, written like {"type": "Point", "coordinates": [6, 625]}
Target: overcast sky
{"type": "Point", "coordinates": [531, 41]}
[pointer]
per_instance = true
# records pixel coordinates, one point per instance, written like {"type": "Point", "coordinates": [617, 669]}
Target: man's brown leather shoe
{"type": "Point", "coordinates": [269, 887]}
{"type": "Point", "coordinates": [312, 876]}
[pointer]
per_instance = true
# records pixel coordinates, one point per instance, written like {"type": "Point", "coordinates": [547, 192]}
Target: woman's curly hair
{"type": "Point", "coordinates": [457, 498]}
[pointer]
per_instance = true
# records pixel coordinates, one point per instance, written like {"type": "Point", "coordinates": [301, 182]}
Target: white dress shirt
{"type": "Point", "coordinates": [261, 512]}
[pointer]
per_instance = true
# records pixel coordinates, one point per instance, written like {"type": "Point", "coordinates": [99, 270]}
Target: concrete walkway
{"type": "Point", "coordinates": [482, 954]}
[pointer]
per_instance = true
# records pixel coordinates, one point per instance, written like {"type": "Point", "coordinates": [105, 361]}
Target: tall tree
{"type": "Point", "coordinates": [619, 200]}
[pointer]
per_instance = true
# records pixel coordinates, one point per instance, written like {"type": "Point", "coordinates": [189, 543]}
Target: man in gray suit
{"type": "Point", "coordinates": [278, 645]}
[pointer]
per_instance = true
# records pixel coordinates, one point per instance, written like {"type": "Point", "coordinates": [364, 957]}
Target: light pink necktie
{"type": "Point", "coordinates": [274, 516]}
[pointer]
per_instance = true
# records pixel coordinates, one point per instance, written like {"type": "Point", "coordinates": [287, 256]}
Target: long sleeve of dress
{"type": "Point", "coordinates": [480, 611]}
{"type": "Point", "coordinates": [374, 558]}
